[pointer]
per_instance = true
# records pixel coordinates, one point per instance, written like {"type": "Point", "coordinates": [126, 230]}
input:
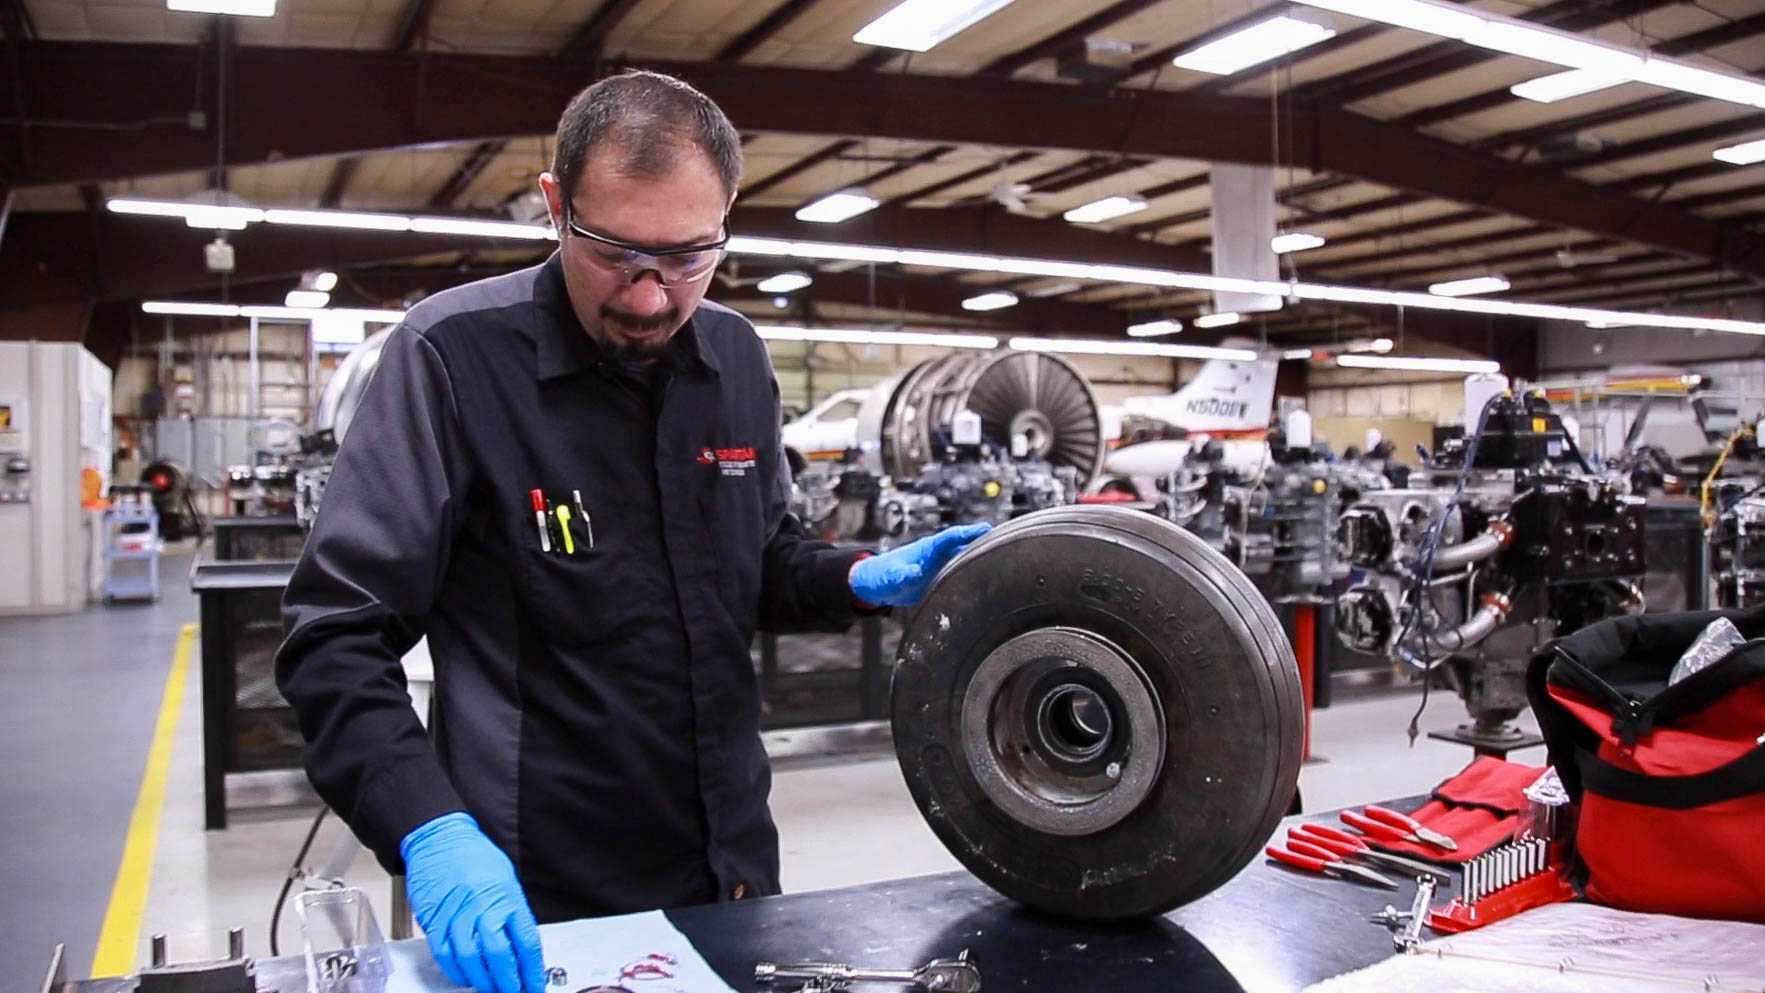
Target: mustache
{"type": "Point", "coordinates": [653, 322]}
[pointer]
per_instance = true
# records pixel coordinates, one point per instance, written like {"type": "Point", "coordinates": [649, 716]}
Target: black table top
{"type": "Point", "coordinates": [1270, 928]}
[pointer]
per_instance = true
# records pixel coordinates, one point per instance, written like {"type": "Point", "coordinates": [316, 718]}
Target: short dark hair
{"type": "Point", "coordinates": [648, 117]}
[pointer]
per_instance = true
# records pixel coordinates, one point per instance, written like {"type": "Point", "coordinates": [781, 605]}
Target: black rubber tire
{"type": "Point", "coordinates": [1209, 643]}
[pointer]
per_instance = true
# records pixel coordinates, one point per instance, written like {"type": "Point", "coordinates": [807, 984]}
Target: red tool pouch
{"type": "Point", "coordinates": [1670, 780]}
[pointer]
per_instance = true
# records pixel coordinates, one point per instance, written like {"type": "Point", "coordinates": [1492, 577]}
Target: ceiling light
{"type": "Point", "coordinates": [1415, 364]}
{"type": "Point", "coordinates": [306, 298]}
{"type": "Point", "coordinates": [1417, 15]}
{"type": "Point", "coordinates": [996, 300]}
{"type": "Point", "coordinates": [784, 282]}
{"type": "Point", "coordinates": [1295, 241]}
{"type": "Point", "coordinates": [1557, 47]}
{"type": "Point", "coordinates": [1701, 82]}
{"type": "Point", "coordinates": [1563, 85]}
{"type": "Point", "coordinates": [1226, 319]}
{"type": "Point", "coordinates": [858, 336]}
{"type": "Point", "coordinates": [1106, 209]}
{"type": "Point", "coordinates": [1380, 345]}
{"type": "Point", "coordinates": [918, 25]}
{"type": "Point", "coordinates": [1744, 154]}
{"type": "Point", "coordinates": [948, 260]}
{"type": "Point", "coordinates": [1297, 354]}
{"type": "Point", "coordinates": [1469, 287]}
{"type": "Point", "coordinates": [182, 309]}
{"type": "Point", "coordinates": [1532, 41]}
{"type": "Point", "coordinates": [837, 207]}
{"type": "Point", "coordinates": [1152, 329]}
{"type": "Point", "coordinates": [1257, 43]}
{"type": "Point", "coordinates": [238, 8]}
{"type": "Point", "coordinates": [216, 211]}
{"type": "Point", "coordinates": [1095, 346]}
{"type": "Point", "coordinates": [324, 281]}
{"type": "Point", "coordinates": [1608, 325]}
{"type": "Point", "coordinates": [339, 219]}
{"type": "Point", "coordinates": [479, 229]}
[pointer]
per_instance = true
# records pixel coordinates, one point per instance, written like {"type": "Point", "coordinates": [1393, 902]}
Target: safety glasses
{"type": "Point", "coordinates": [673, 266]}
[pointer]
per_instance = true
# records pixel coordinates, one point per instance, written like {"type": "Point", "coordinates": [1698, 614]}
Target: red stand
{"type": "Point", "coordinates": [1305, 649]}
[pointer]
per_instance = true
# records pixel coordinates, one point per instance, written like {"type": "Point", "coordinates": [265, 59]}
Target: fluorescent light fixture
{"type": "Point", "coordinates": [1055, 289]}
{"type": "Point", "coordinates": [1469, 287]}
{"type": "Point", "coordinates": [1224, 320]}
{"type": "Point", "coordinates": [859, 336]}
{"type": "Point", "coordinates": [1106, 209]}
{"type": "Point", "coordinates": [1506, 34]}
{"type": "Point", "coordinates": [183, 309]}
{"type": "Point", "coordinates": [1608, 325]}
{"type": "Point", "coordinates": [1416, 364]}
{"type": "Point", "coordinates": [1701, 82]}
{"type": "Point", "coordinates": [1295, 241]}
{"type": "Point", "coordinates": [324, 281]}
{"type": "Point", "coordinates": [1152, 329]}
{"type": "Point", "coordinates": [948, 260]}
{"type": "Point", "coordinates": [480, 229]}
{"type": "Point", "coordinates": [1556, 47]}
{"type": "Point", "coordinates": [784, 282]}
{"type": "Point", "coordinates": [213, 216]}
{"type": "Point", "coordinates": [339, 219]}
{"type": "Point", "coordinates": [238, 8]}
{"type": "Point", "coordinates": [150, 208]}
{"type": "Point", "coordinates": [1096, 346]}
{"type": "Point", "coordinates": [837, 207]}
{"type": "Point", "coordinates": [995, 300]}
{"type": "Point", "coordinates": [918, 25]}
{"type": "Point", "coordinates": [1260, 42]}
{"type": "Point", "coordinates": [1380, 345]}
{"type": "Point", "coordinates": [1746, 153]}
{"type": "Point", "coordinates": [1297, 354]}
{"type": "Point", "coordinates": [1417, 15]}
{"type": "Point", "coordinates": [312, 299]}
{"type": "Point", "coordinates": [1563, 85]}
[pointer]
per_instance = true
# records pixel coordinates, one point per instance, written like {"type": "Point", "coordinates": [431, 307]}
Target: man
{"type": "Point", "coordinates": [570, 479]}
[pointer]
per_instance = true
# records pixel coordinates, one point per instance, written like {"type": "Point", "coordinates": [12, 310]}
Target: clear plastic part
{"type": "Point", "coordinates": [1717, 642]}
{"type": "Point", "coordinates": [344, 946]}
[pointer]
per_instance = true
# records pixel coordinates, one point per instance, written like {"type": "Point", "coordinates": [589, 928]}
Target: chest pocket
{"type": "Point", "coordinates": [735, 499]}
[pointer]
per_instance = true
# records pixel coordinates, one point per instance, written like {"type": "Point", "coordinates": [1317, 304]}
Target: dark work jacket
{"type": "Point", "coordinates": [598, 713]}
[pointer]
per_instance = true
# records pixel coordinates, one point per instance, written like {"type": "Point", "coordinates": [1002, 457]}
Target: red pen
{"type": "Point", "coordinates": [538, 498]}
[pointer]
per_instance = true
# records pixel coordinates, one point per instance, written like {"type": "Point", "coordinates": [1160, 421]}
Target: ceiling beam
{"type": "Point", "coordinates": [1697, 41]}
{"type": "Point", "coordinates": [824, 154]}
{"type": "Point", "coordinates": [413, 25]}
{"type": "Point", "coordinates": [1685, 137]}
{"type": "Point", "coordinates": [775, 21]}
{"type": "Point", "coordinates": [1159, 59]}
{"type": "Point", "coordinates": [1067, 38]}
{"type": "Point", "coordinates": [469, 169]}
{"type": "Point", "coordinates": [500, 95]}
{"type": "Point", "coordinates": [588, 40]}
{"type": "Point", "coordinates": [960, 179]}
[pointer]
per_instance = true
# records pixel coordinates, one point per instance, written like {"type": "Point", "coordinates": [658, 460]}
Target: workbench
{"type": "Point", "coordinates": [1270, 928]}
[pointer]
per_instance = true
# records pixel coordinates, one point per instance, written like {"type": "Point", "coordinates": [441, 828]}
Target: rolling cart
{"type": "Point", "coordinates": [131, 546]}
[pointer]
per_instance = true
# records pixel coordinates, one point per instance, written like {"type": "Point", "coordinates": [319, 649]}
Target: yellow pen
{"type": "Point", "coordinates": [564, 520]}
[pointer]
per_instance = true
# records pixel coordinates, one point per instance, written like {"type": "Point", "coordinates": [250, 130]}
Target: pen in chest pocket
{"type": "Point", "coordinates": [581, 512]}
{"type": "Point", "coordinates": [538, 499]}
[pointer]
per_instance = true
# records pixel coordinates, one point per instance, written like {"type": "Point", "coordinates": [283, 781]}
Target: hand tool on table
{"type": "Point", "coordinates": [1354, 849]}
{"type": "Point", "coordinates": [1381, 830]}
{"type": "Point", "coordinates": [1305, 855]}
{"type": "Point", "coordinates": [1423, 835]}
{"type": "Point", "coordinates": [1503, 882]}
{"type": "Point", "coordinates": [957, 975]}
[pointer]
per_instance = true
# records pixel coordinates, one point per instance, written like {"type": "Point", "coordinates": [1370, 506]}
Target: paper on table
{"type": "Point", "coordinates": [1590, 945]}
{"type": "Point", "coordinates": [642, 953]}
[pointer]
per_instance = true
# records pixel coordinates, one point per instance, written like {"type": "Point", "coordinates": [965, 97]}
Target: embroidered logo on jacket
{"type": "Point", "coordinates": [731, 461]}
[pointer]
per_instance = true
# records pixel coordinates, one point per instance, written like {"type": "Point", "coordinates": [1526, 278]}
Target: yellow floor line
{"type": "Point", "coordinates": [120, 938]}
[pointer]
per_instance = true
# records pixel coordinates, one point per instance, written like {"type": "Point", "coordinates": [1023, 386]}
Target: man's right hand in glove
{"type": "Point", "coordinates": [465, 896]}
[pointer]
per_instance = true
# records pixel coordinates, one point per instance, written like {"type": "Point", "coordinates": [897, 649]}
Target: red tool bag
{"type": "Point", "coordinates": [1670, 780]}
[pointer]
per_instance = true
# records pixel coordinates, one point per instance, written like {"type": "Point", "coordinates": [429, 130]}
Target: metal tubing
{"type": "Point", "coordinates": [1465, 553]}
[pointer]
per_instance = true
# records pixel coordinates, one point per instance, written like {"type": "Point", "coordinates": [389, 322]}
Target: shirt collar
{"type": "Point", "coordinates": [565, 348]}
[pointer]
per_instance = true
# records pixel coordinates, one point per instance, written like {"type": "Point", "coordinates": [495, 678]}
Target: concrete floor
{"type": "Point", "coordinates": [83, 692]}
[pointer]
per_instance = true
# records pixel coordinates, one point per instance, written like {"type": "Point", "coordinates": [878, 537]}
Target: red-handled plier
{"type": "Point", "coordinates": [1389, 825]}
{"type": "Point", "coordinates": [1351, 847]}
{"type": "Point", "coordinates": [1303, 855]}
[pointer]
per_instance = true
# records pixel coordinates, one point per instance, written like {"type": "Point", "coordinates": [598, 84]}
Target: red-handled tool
{"type": "Point", "coordinates": [1406, 822]}
{"type": "Point", "coordinates": [1373, 829]}
{"type": "Point", "coordinates": [1350, 847]}
{"type": "Point", "coordinates": [1311, 858]}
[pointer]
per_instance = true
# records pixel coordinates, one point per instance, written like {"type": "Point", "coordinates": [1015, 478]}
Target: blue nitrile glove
{"type": "Point", "coordinates": [465, 896]}
{"type": "Point", "coordinates": [900, 577]}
